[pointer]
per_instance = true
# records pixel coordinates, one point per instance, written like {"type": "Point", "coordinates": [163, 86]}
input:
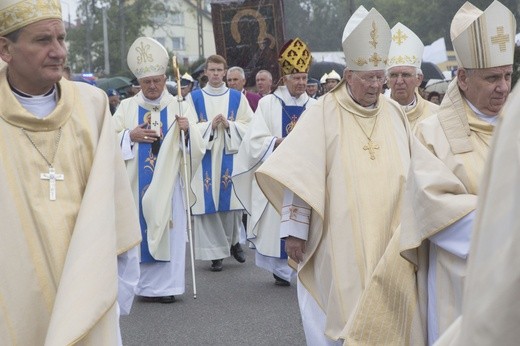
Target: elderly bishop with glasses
{"type": "Point", "coordinates": [337, 181]}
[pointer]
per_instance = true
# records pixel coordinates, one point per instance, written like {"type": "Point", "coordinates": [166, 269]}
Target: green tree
{"type": "Point", "coordinates": [319, 23]}
{"type": "Point", "coordinates": [126, 20]}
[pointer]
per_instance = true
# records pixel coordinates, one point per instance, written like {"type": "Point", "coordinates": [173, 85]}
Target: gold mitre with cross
{"type": "Point", "coordinates": [483, 39]}
{"type": "Point", "coordinates": [366, 40]}
{"type": "Point", "coordinates": [406, 48]}
{"type": "Point", "coordinates": [147, 57]}
{"type": "Point", "coordinates": [15, 14]}
{"type": "Point", "coordinates": [295, 57]}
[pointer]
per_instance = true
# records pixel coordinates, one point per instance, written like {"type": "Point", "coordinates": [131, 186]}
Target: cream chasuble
{"type": "Point", "coordinates": [355, 202]}
{"type": "Point", "coordinates": [59, 258]}
{"type": "Point", "coordinates": [157, 197]}
{"type": "Point", "coordinates": [442, 188]}
{"type": "Point", "coordinates": [422, 110]}
{"type": "Point", "coordinates": [491, 308]}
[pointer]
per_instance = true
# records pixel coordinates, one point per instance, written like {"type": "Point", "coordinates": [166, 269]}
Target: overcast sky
{"type": "Point", "coordinates": [69, 7]}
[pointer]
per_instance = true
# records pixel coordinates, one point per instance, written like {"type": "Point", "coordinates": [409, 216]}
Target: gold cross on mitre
{"type": "Point", "coordinates": [375, 58]}
{"type": "Point", "coordinates": [500, 39]}
{"type": "Point", "coordinates": [399, 37]}
{"type": "Point", "coordinates": [371, 146]}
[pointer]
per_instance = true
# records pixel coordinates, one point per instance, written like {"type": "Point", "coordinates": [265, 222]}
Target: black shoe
{"type": "Point", "coordinates": [216, 265]}
{"type": "Point", "coordinates": [238, 253]}
{"type": "Point", "coordinates": [163, 300]}
{"type": "Point", "coordinates": [278, 281]}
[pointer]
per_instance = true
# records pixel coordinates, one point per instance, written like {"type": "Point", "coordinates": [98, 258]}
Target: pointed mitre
{"type": "Point", "coordinates": [483, 39]}
{"type": "Point", "coordinates": [147, 57]}
{"type": "Point", "coordinates": [15, 14]}
{"type": "Point", "coordinates": [295, 57]}
{"type": "Point", "coordinates": [406, 48]}
{"type": "Point", "coordinates": [366, 40]}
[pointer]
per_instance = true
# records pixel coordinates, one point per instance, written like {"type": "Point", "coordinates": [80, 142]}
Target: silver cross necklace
{"type": "Point", "coordinates": [51, 176]}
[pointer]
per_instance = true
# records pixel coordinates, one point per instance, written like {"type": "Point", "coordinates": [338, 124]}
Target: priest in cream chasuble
{"type": "Point", "coordinates": [491, 305]}
{"type": "Point", "coordinates": [65, 224]}
{"type": "Point", "coordinates": [63, 191]}
{"type": "Point", "coordinates": [448, 160]}
{"type": "Point", "coordinates": [337, 181]}
{"type": "Point", "coordinates": [404, 74]}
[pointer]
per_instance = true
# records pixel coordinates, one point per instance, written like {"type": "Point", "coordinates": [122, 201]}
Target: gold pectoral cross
{"type": "Point", "coordinates": [371, 146]}
{"type": "Point", "coordinates": [52, 176]}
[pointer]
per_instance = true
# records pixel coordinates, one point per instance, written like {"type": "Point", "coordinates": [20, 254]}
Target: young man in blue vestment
{"type": "Point", "coordinates": [223, 117]}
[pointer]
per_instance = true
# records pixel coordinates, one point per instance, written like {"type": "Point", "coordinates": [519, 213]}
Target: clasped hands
{"type": "Point", "coordinates": [219, 119]}
{"type": "Point", "coordinates": [143, 134]}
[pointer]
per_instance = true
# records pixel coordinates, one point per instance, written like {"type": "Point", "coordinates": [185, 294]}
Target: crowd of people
{"type": "Point", "coordinates": [393, 215]}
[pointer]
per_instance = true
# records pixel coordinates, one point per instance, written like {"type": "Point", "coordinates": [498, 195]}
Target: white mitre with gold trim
{"type": "Point", "coordinates": [406, 48]}
{"type": "Point", "coordinates": [147, 57]}
{"type": "Point", "coordinates": [366, 40]}
{"type": "Point", "coordinates": [15, 14]}
{"type": "Point", "coordinates": [483, 39]}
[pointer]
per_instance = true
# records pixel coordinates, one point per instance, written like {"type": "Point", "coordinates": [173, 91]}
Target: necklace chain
{"type": "Point", "coordinates": [371, 145]}
{"type": "Point", "coordinates": [57, 142]}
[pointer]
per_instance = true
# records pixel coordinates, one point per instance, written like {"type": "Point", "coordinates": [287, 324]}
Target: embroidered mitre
{"type": "Point", "coordinates": [295, 57]}
{"type": "Point", "coordinates": [483, 39]}
{"type": "Point", "coordinates": [366, 40]}
{"type": "Point", "coordinates": [147, 57]}
{"type": "Point", "coordinates": [15, 14]}
{"type": "Point", "coordinates": [406, 48]}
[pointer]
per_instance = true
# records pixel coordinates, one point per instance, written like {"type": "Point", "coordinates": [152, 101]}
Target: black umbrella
{"type": "Point", "coordinates": [319, 68]}
{"type": "Point", "coordinates": [117, 83]}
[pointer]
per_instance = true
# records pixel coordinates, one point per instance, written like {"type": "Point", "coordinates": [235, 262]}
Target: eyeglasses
{"type": "Point", "coordinates": [403, 75]}
{"type": "Point", "coordinates": [371, 79]}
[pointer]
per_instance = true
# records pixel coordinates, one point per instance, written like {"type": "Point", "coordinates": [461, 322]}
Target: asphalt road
{"type": "Point", "coordinates": [238, 306]}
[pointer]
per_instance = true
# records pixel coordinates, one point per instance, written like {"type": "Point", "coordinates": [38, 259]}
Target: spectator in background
{"type": "Point", "coordinates": [264, 82]}
{"type": "Point", "coordinates": [187, 83]}
{"type": "Point", "coordinates": [331, 80]}
{"type": "Point", "coordinates": [312, 88]}
{"type": "Point", "coordinates": [114, 99]}
{"type": "Point", "coordinates": [236, 79]}
{"type": "Point", "coordinates": [203, 80]}
{"type": "Point", "coordinates": [434, 97]}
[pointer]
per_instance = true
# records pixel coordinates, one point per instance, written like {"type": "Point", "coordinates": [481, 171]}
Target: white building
{"type": "Point", "coordinates": [179, 33]}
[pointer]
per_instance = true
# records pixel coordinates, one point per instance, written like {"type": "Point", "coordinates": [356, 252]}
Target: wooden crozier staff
{"type": "Point", "coordinates": [186, 177]}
